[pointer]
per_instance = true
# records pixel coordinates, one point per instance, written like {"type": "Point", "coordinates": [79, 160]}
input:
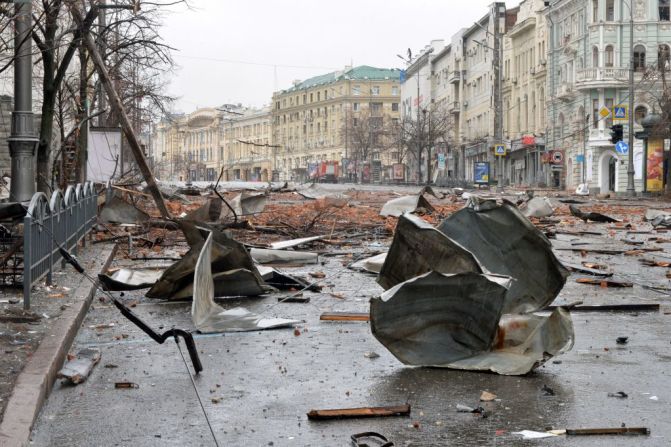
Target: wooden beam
{"type": "Point", "coordinates": [363, 412]}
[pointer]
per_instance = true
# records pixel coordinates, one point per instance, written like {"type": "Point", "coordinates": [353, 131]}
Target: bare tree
{"type": "Point", "coordinates": [419, 134]}
{"type": "Point", "coordinates": [368, 131]}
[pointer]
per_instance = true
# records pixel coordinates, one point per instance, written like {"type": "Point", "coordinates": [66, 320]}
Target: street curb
{"type": "Point", "coordinates": [36, 381]}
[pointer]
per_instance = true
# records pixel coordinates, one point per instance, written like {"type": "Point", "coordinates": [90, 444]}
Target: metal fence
{"type": "Point", "coordinates": [62, 221]}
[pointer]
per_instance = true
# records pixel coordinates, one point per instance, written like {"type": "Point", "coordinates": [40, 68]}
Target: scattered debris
{"type": "Point", "coordinates": [537, 207]}
{"type": "Point", "coordinates": [119, 211]}
{"type": "Point", "coordinates": [654, 263]}
{"type": "Point", "coordinates": [587, 270]}
{"type": "Point", "coordinates": [79, 368]}
{"type": "Point", "coordinates": [363, 412]}
{"type": "Point", "coordinates": [530, 434]}
{"type": "Point", "coordinates": [14, 315]}
{"type": "Point", "coordinates": [294, 242]}
{"type": "Point", "coordinates": [594, 217]}
{"type": "Point", "coordinates": [547, 391]}
{"type": "Point", "coordinates": [372, 264]}
{"type": "Point", "coordinates": [604, 282]}
{"type": "Point", "coordinates": [622, 340]}
{"type": "Point", "coordinates": [125, 385]}
{"type": "Point", "coordinates": [371, 355]}
{"type": "Point", "coordinates": [486, 396]}
{"type": "Point", "coordinates": [382, 441]}
{"type": "Point", "coordinates": [658, 218]}
{"type": "Point", "coordinates": [344, 316]}
{"type": "Point", "coordinates": [208, 316]}
{"type": "Point", "coordinates": [406, 204]}
{"type": "Point", "coordinates": [127, 279]}
{"type": "Point", "coordinates": [283, 257]}
{"type": "Point", "coordinates": [619, 394]}
{"type": "Point", "coordinates": [609, 431]}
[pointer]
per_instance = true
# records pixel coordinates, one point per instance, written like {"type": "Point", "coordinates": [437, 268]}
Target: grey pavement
{"type": "Point", "coordinates": [257, 387]}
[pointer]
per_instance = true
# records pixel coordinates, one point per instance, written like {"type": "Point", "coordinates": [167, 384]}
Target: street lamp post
{"type": "Point", "coordinates": [631, 191]}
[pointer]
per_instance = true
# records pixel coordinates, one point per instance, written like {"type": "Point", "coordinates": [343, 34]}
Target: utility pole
{"type": "Point", "coordinates": [22, 140]}
{"type": "Point", "coordinates": [498, 100]}
{"type": "Point", "coordinates": [631, 190]}
{"type": "Point", "coordinates": [102, 45]}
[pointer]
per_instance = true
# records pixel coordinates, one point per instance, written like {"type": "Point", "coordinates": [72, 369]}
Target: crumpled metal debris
{"type": "Point", "coordinates": [462, 295]}
{"type": "Point", "coordinates": [245, 204]}
{"type": "Point", "coordinates": [538, 207]}
{"type": "Point", "coordinates": [417, 248]}
{"type": "Point", "coordinates": [406, 204]}
{"type": "Point", "coordinates": [118, 211]}
{"type": "Point", "coordinates": [269, 256]}
{"type": "Point", "coordinates": [130, 279]}
{"type": "Point", "coordinates": [228, 255]}
{"type": "Point", "coordinates": [281, 245]}
{"type": "Point", "coordinates": [522, 252]}
{"type": "Point", "coordinates": [317, 192]}
{"type": "Point", "coordinates": [207, 316]}
{"type": "Point", "coordinates": [285, 281]}
{"type": "Point", "coordinates": [594, 217]}
{"type": "Point", "coordinates": [658, 218]}
{"type": "Point", "coordinates": [372, 264]}
{"type": "Point", "coordinates": [208, 212]}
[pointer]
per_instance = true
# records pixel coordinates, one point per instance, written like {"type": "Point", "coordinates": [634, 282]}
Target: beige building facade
{"type": "Point", "coordinates": [315, 121]}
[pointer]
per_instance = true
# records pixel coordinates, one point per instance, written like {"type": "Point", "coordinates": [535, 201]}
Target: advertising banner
{"type": "Point", "coordinates": [481, 173]}
{"type": "Point", "coordinates": [399, 171]}
{"type": "Point", "coordinates": [654, 179]}
{"type": "Point", "coordinates": [441, 161]}
{"type": "Point", "coordinates": [313, 170]}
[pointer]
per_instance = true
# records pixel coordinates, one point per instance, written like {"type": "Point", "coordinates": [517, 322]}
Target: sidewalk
{"type": "Point", "coordinates": [33, 351]}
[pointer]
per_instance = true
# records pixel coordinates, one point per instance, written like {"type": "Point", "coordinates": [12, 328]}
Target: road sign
{"type": "Point", "coordinates": [622, 148]}
{"type": "Point", "coordinates": [557, 157]}
{"type": "Point", "coordinates": [620, 113]}
{"type": "Point", "coordinates": [500, 150]}
{"type": "Point", "coordinates": [580, 158]}
{"type": "Point", "coordinates": [604, 112]}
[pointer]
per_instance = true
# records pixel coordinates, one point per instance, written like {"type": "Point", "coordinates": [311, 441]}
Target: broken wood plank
{"type": "Point", "coordinates": [608, 431]}
{"type": "Point", "coordinates": [78, 369]}
{"type": "Point", "coordinates": [633, 307]}
{"type": "Point", "coordinates": [363, 412]}
{"type": "Point", "coordinates": [604, 282]}
{"type": "Point", "coordinates": [344, 316]}
{"type": "Point", "coordinates": [294, 299]}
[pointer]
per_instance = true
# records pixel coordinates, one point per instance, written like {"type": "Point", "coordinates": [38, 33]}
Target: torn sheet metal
{"type": "Point", "coordinates": [285, 281]}
{"type": "Point", "coordinates": [208, 316]}
{"type": "Point", "coordinates": [658, 218]}
{"type": "Point", "coordinates": [594, 217]}
{"type": "Point", "coordinates": [238, 282]}
{"type": "Point", "coordinates": [504, 242]}
{"type": "Point", "coordinates": [317, 192]}
{"type": "Point", "coordinates": [209, 212]}
{"type": "Point", "coordinates": [281, 245]}
{"type": "Point", "coordinates": [269, 256]}
{"type": "Point", "coordinates": [245, 204]}
{"type": "Point", "coordinates": [417, 248]}
{"type": "Point", "coordinates": [227, 255]}
{"type": "Point", "coordinates": [435, 319]}
{"type": "Point", "coordinates": [538, 207]}
{"type": "Point", "coordinates": [118, 211]}
{"type": "Point", "coordinates": [406, 204]}
{"type": "Point", "coordinates": [456, 321]}
{"type": "Point", "coordinates": [372, 264]}
{"type": "Point", "coordinates": [130, 279]}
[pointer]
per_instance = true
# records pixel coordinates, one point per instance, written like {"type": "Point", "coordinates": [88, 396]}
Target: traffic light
{"type": "Point", "coordinates": [616, 133]}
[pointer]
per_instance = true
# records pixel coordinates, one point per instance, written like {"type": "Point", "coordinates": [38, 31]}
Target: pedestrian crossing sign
{"type": "Point", "coordinates": [500, 150]}
{"type": "Point", "coordinates": [620, 113]}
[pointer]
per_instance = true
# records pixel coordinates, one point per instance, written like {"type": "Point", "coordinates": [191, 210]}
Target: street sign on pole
{"type": "Point", "coordinates": [604, 112]}
{"type": "Point", "coordinates": [499, 150]}
{"type": "Point", "coordinates": [622, 148]}
{"type": "Point", "coordinates": [620, 113]}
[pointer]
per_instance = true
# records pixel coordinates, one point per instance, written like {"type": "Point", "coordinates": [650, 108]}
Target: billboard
{"type": "Point", "coordinates": [481, 173]}
{"type": "Point", "coordinates": [399, 171]}
{"type": "Point", "coordinates": [654, 172]}
{"type": "Point", "coordinates": [104, 149]}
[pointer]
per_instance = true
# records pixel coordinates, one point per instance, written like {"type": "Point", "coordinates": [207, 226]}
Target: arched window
{"type": "Point", "coordinates": [595, 57]}
{"type": "Point", "coordinates": [663, 62]}
{"type": "Point", "coordinates": [639, 113]}
{"type": "Point", "coordinates": [639, 58]}
{"type": "Point", "coordinates": [533, 111]}
{"type": "Point", "coordinates": [608, 62]}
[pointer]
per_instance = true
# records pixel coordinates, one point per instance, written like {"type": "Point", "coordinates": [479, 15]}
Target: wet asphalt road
{"type": "Point", "coordinates": [257, 387]}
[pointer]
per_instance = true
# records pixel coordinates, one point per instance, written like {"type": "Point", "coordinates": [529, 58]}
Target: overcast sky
{"type": "Point", "coordinates": [240, 51]}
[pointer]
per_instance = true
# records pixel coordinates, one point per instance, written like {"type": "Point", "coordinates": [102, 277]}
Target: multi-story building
{"type": "Point", "coordinates": [197, 146]}
{"type": "Point", "coordinates": [590, 59]}
{"type": "Point", "coordinates": [524, 88]}
{"type": "Point", "coordinates": [248, 154]}
{"type": "Point", "coordinates": [313, 121]}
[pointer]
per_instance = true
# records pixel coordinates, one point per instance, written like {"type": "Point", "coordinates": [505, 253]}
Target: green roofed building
{"type": "Point", "coordinates": [342, 117]}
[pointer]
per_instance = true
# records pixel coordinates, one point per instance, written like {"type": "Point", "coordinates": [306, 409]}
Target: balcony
{"type": "Point", "coordinates": [454, 107]}
{"type": "Point", "coordinates": [565, 91]}
{"type": "Point", "coordinates": [587, 78]}
{"type": "Point", "coordinates": [455, 77]}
